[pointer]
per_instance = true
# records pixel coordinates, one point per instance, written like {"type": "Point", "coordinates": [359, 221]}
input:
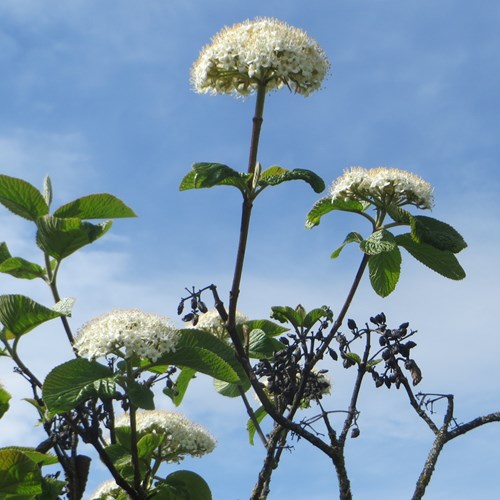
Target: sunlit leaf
{"type": "Point", "coordinates": [385, 269]}
{"type": "Point", "coordinates": [437, 234]}
{"type": "Point", "coordinates": [95, 206]}
{"type": "Point", "coordinates": [20, 476]}
{"type": "Point", "coordinates": [21, 198]}
{"type": "Point", "coordinates": [350, 238]}
{"type": "Point", "coordinates": [75, 382]}
{"type": "Point", "coordinates": [325, 205]}
{"type": "Point", "coordinates": [276, 175]}
{"type": "Point", "coordinates": [21, 268]}
{"type": "Point", "coordinates": [378, 242]}
{"type": "Point", "coordinates": [443, 262]}
{"type": "Point", "coordinates": [61, 237]}
{"type": "Point", "coordinates": [20, 314]}
{"type": "Point", "coordinates": [207, 175]}
{"type": "Point", "coordinates": [259, 414]}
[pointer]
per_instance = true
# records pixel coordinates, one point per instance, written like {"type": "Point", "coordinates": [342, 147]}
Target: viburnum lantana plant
{"type": "Point", "coordinates": [105, 395]}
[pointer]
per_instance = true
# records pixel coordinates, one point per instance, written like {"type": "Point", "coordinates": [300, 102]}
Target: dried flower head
{"type": "Point", "coordinates": [264, 51]}
{"type": "Point", "coordinates": [212, 323]}
{"type": "Point", "coordinates": [181, 436]}
{"type": "Point", "coordinates": [382, 187]}
{"type": "Point", "coordinates": [126, 332]}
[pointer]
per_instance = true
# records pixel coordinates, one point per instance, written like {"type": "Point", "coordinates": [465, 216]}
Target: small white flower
{"type": "Point", "coordinates": [182, 437]}
{"type": "Point", "coordinates": [382, 187]}
{"type": "Point", "coordinates": [212, 323]}
{"type": "Point", "coordinates": [126, 332]}
{"type": "Point", "coordinates": [264, 51]}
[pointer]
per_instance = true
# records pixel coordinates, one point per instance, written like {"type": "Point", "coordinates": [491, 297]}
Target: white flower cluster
{"type": "Point", "coordinates": [212, 323]}
{"type": "Point", "coordinates": [266, 52]}
{"type": "Point", "coordinates": [126, 332]}
{"type": "Point", "coordinates": [108, 490]}
{"type": "Point", "coordinates": [382, 187]}
{"type": "Point", "coordinates": [182, 437]}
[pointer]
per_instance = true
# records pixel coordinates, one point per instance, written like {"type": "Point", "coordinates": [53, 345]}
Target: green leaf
{"type": "Point", "coordinates": [325, 205]}
{"type": "Point", "coordinates": [61, 237]}
{"type": "Point", "coordinates": [205, 353]}
{"type": "Point", "coordinates": [21, 198]}
{"type": "Point", "coordinates": [314, 315]}
{"type": "Point", "coordinates": [52, 488]}
{"type": "Point", "coordinates": [20, 314]}
{"type": "Point", "coordinates": [270, 328]}
{"type": "Point", "coordinates": [141, 396]}
{"type": "Point", "coordinates": [4, 252]}
{"type": "Point", "coordinates": [350, 238]}
{"type": "Point", "coordinates": [261, 346]}
{"type": "Point", "coordinates": [231, 390]}
{"type": "Point", "coordinates": [399, 215]}
{"type": "Point", "coordinates": [437, 233]}
{"type": "Point", "coordinates": [95, 206]}
{"type": "Point", "coordinates": [207, 175]}
{"type": "Point", "coordinates": [276, 175]}
{"type": "Point", "coordinates": [259, 414]}
{"type": "Point", "coordinates": [188, 486]}
{"type": "Point", "coordinates": [181, 385]}
{"type": "Point", "coordinates": [148, 444]}
{"type": "Point", "coordinates": [443, 262]}
{"type": "Point", "coordinates": [119, 453]}
{"type": "Point", "coordinates": [20, 268]}
{"type": "Point", "coordinates": [353, 357]}
{"type": "Point", "coordinates": [20, 477]}
{"type": "Point", "coordinates": [286, 314]}
{"type": "Point", "coordinates": [37, 457]}
{"type": "Point", "coordinates": [4, 401]}
{"type": "Point", "coordinates": [75, 382]}
{"type": "Point", "coordinates": [378, 242]}
{"type": "Point", "coordinates": [384, 270]}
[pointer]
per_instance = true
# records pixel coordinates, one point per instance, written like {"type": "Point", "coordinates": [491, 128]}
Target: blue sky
{"type": "Point", "coordinates": [96, 95]}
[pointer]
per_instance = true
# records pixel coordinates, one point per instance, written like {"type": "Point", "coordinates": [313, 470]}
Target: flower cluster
{"type": "Point", "coordinates": [265, 52]}
{"type": "Point", "coordinates": [383, 187]}
{"type": "Point", "coordinates": [212, 323]}
{"type": "Point", "coordinates": [108, 490]}
{"type": "Point", "coordinates": [182, 437]}
{"type": "Point", "coordinates": [125, 333]}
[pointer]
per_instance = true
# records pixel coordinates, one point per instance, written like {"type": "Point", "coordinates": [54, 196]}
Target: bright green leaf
{"type": "Point", "coordinates": [441, 261]}
{"type": "Point", "coordinates": [148, 444]}
{"type": "Point", "coordinates": [207, 175]}
{"type": "Point", "coordinates": [231, 390]}
{"type": "Point", "coordinates": [314, 315]}
{"type": "Point", "coordinates": [269, 327]}
{"type": "Point", "coordinates": [261, 346]}
{"type": "Point", "coordinates": [75, 382]}
{"type": "Point", "coordinates": [378, 242]}
{"type": "Point", "coordinates": [20, 268]}
{"type": "Point", "coordinates": [4, 401]}
{"type": "Point", "coordinates": [21, 198]}
{"type": "Point", "coordinates": [385, 269]}
{"type": "Point", "coordinates": [276, 175]}
{"type": "Point", "coordinates": [4, 252]}
{"type": "Point", "coordinates": [437, 233]}
{"type": "Point", "coordinates": [20, 477]}
{"type": "Point", "coordinates": [37, 457]}
{"type": "Point", "coordinates": [286, 314]}
{"type": "Point", "coordinates": [325, 205]}
{"type": "Point", "coordinates": [20, 314]}
{"type": "Point", "coordinates": [259, 414]}
{"type": "Point", "coordinates": [350, 238]}
{"type": "Point", "coordinates": [61, 237]}
{"type": "Point", "coordinates": [353, 357]}
{"type": "Point", "coordinates": [205, 353]}
{"type": "Point", "coordinates": [95, 206]}
{"type": "Point", "coordinates": [181, 385]}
